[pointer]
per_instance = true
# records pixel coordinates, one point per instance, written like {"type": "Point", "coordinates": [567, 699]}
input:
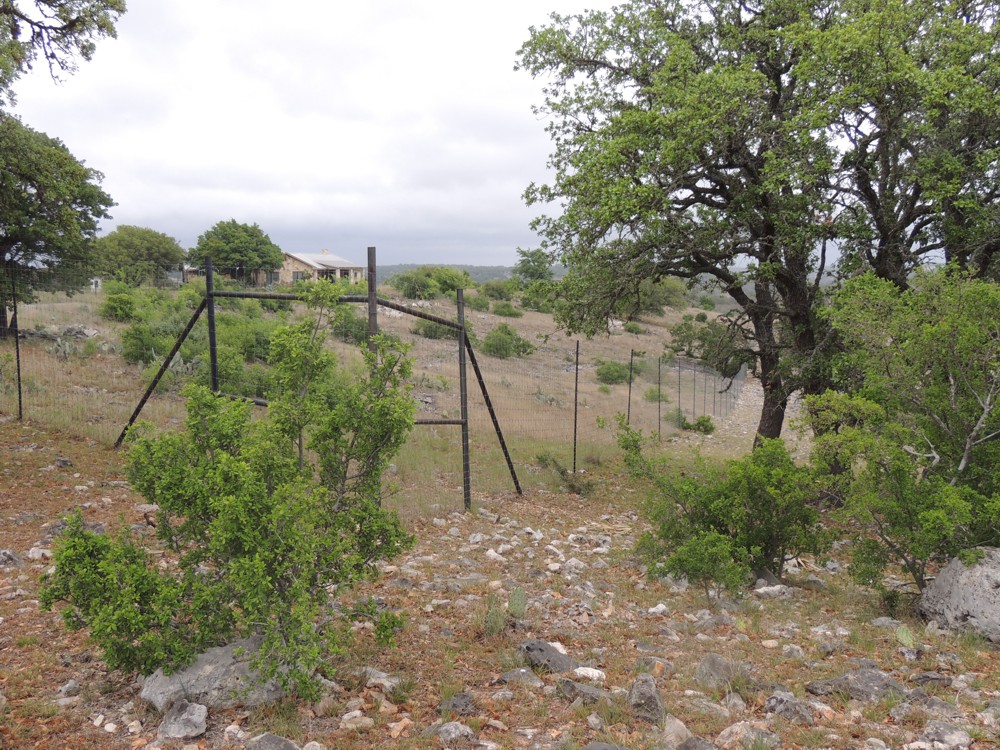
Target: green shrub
{"type": "Point", "coordinates": [477, 302]}
{"type": "Point", "coordinates": [702, 424]}
{"type": "Point", "coordinates": [264, 520]}
{"type": "Point", "coordinates": [120, 307]}
{"type": "Point", "coordinates": [655, 394]}
{"type": "Point", "coordinates": [701, 317]}
{"type": "Point", "coordinates": [506, 310]}
{"type": "Point", "coordinates": [760, 504]}
{"type": "Point", "coordinates": [612, 373]}
{"type": "Point", "coordinates": [504, 342]}
{"type": "Point", "coordinates": [429, 329]}
{"type": "Point", "coordinates": [539, 296]}
{"type": "Point", "coordinates": [706, 302]}
{"type": "Point", "coordinates": [634, 328]}
{"type": "Point", "coordinates": [498, 290]}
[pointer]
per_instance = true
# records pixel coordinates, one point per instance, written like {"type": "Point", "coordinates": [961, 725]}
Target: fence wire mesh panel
{"type": "Point", "coordinates": [87, 359]}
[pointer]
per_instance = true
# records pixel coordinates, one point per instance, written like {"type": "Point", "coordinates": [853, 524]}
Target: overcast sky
{"type": "Point", "coordinates": [399, 124]}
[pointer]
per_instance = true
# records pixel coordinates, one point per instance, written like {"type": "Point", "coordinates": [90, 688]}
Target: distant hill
{"type": "Point", "coordinates": [479, 274]}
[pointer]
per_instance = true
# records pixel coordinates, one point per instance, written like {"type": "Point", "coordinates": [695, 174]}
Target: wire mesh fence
{"type": "Point", "coordinates": [86, 359]}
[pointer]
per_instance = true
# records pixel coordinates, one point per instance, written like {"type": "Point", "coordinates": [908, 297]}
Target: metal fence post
{"type": "Point", "coordinates": [628, 414]}
{"type": "Point", "coordinates": [213, 352]}
{"type": "Point", "coordinates": [372, 300]}
{"type": "Point", "coordinates": [576, 401]}
{"type": "Point", "coordinates": [464, 396]}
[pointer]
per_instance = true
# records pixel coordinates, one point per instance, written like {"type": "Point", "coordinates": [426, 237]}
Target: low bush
{"type": "Point", "coordinates": [120, 307]}
{"type": "Point", "coordinates": [263, 520]}
{"type": "Point", "coordinates": [504, 342]}
{"type": "Point", "coordinates": [506, 310]}
{"type": "Point", "coordinates": [760, 506]}
{"type": "Point", "coordinates": [612, 373]}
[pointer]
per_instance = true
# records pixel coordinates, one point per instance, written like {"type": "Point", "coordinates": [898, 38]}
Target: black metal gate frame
{"type": "Point", "coordinates": [373, 302]}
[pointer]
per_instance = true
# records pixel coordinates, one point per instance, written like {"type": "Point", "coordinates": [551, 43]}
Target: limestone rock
{"type": "Point", "coordinates": [865, 685]}
{"type": "Point", "coordinates": [967, 597]}
{"type": "Point", "coordinates": [218, 678]}
{"type": "Point", "coordinates": [183, 721]}
{"type": "Point", "coordinates": [587, 694]}
{"type": "Point", "coordinates": [523, 676]}
{"type": "Point", "coordinates": [454, 731]}
{"type": "Point", "coordinates": [645, 701]}
{"type": "Point", "coordinates": [675, 734]}
{"type": "Point", "coordinates": [543, 655]}
{"type": "Point", "coordinates": [745, 735]}
{"type": "Point", "coordinates": [269, 741]}
{"type": "Point", "coordinates": [716, 672]}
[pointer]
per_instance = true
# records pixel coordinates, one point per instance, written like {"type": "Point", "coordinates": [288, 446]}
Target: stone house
{"type": "Point", "coordinates": [304, 266]}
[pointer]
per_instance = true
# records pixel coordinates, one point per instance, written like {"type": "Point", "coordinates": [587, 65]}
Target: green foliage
{"type": "Point", "coordinates": [539, 296]}
{"type": "Point", "coordinates": [517, 603]}
{"type": "Point", "coordinates": [58, 30]}
{"type": "Point", "coordinates": [504, 342]}
{"type": "Point", "coordinates": [120, 307]}
{"type": "Point", "coordinates": [263, 519]}
{"type": "Point", "coordinates": [136, 255]}
{"type": "Point", "coordinates": [702, 424]}
{"type": "Point", "coordinates": [106, 578]}
{"type": "Point", "coordinates": [50, 206]}
{"type": "Point", "coordinates": [498, 290]}
{"type": "Point", "coordinates": [612, 373]}
{"type": "Point", "coordinates": [237, 250]}
{"type": "Point", "coordinates": [577, 483]}
{"type": "Point", "coordinates": [350, 327]}
{"type": "Point", "coordinates": [532, 266]}
{"type": "Point", "coordinates": [429, 329]}
{"type": "Point", "coordinates": [655, 394]}
{"type": "Point", "coordinates": [430, 282]}
{"type": "Point", "coordinates": [477, 302]}
{"type": "Point", "coordinates": [910, 447]}
{"type": "Point", "coordinates": [759, 505]}
{"type": "Point", "coordinates": [706, 302]}
{"type": "Point", "coordinates": [737, 143]}
{"type": "Point", "coordinates": [708, 557]}
{"type": "Point", "coordinates": [633, 328]}
{"type": "Point", "coordinates": [506, 310]}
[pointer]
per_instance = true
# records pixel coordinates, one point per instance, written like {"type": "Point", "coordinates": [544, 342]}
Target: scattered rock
{"type": "Point", "coordinates": [645, 701]}
{"type": "Point", "coordinates": [586, 694]}
{"type": "Point", "coordinates": [696, 743]}
{"type": "Point", "coordinates": [944, 736]}
{"type": "Point", "coordinates": [218, 678]}
{"type": "Point", "coordinates": [589, 673]}
{"type": "Point", "coordinates": [454, 731]}
{"type": "Point", "coordinates": [269, 741]}
{"type": "Point", "coordinates": [865, 685]}
{"type": "Point", "coordinates": [744, 735]}
{"type": "Point", "coordinates": [522, 676]}
{"type": "Point", "coordinates": [716, 672]}
{"type": "Point", "coordinates": [183, 721]}
{"type": "Point", "coordinates": [543, 655]}
{"type": "Point", "coordinates": [967, 596]}
{"type": "Point", "coordinates": [675, 733]}
{"type": "Point", "coordinates": [9, 557]}
{"type": "Point", "coordinates": [787, 706]}
{"type": "Point", "coordinates": [460, 704]}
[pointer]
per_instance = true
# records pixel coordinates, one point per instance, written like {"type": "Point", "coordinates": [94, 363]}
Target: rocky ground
{"type": "Point", "coordinates": [601, 656]}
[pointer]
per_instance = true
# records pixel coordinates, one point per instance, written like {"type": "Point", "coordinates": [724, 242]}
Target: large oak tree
{"type": "Point", "coordinates": [742, 141]}
{"type": "Point", "coordinates": [50, 206]}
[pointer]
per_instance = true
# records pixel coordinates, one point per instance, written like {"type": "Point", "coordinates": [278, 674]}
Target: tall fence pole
{"type": "Point", "coordinates": [213, 352]}
{"type": "Point", "coordinates": [16, 326]}
{"type": "Point", "coordinates": [704, 392]}
{"type": "Point", "coordinates": [628, 414]}
{"type": "Point", "coordinates": [464, 397]}
{"type": "Point", "coordinates": [680, 408]}
{"type": "Point", "coordinates": [576, 401]}
{"type": "Point", "coordinates": [659, 397]}
{"type": "Point", "coordinates": [372, 300]}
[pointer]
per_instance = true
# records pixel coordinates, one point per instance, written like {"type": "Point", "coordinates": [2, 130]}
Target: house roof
{"type": "Point", "coordinates": [323, 260]}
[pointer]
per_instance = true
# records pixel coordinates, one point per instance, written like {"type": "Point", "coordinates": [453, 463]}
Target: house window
{"type": "Point", "coordinates": [301, 275]}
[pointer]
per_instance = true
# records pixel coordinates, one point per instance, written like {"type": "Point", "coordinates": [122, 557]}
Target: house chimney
{"type": "Point", "coordinates": [325, 251]}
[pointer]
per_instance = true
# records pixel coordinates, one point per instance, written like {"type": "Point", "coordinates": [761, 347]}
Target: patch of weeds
{"type": "Point", "coordinates": [36, 709]}
{"type": "Point", "coordinates": [605, 389]}
{"type": "Point", "coordinates": [494, 616]}
{"type": "Point", "coordinates": [281, 717]}
{"type": "Point", "coordinates": [613, 712]}
{"type": "Point", "coordinates": [23, 641]}
{"type": "Point", "coordinates": [570, 481]}
{"type": "Point", "coordinates": [510, 660]}
{"type": "Point", "coordinates": [517, 603]}
{"type": "Point", "coordinates": [403, 690]}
